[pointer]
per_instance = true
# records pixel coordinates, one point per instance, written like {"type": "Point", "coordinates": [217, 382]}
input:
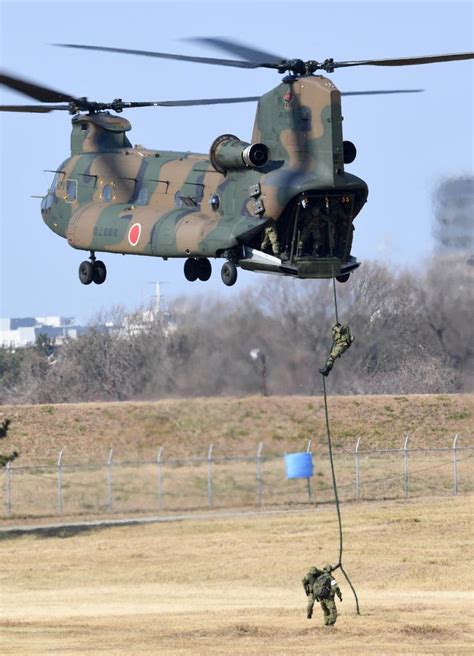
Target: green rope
{"type": "Point", "coordinates": [336, 497]}
{"type": "Point", "coordinates": [328, 431]}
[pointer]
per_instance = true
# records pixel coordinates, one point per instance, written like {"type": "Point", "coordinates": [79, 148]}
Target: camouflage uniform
{"type": "Point", "coordinates": [270, 237]}
{"type": "Point", "coordinates": [313, 582]}
{"type": "Point", "coordinates": [4, 424]}
{"type": "Point", "coordinates": [341, 340]}
{"type": "Point", "coordinates": [311, 232]}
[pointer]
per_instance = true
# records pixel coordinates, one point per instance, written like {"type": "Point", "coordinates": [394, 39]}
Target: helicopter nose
{"type": "Point", "coordinates": [46, 205]}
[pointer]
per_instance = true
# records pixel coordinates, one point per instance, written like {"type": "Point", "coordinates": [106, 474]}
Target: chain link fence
{"type": "Point", "coordinates": [213, 481]}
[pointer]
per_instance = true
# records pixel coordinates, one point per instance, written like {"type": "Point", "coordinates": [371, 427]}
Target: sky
{"type": "Point", "coordinates": [406, 144]}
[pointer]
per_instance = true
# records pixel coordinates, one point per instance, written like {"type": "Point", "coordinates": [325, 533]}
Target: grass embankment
{"type": "Point", "coordinates": [186, 427]}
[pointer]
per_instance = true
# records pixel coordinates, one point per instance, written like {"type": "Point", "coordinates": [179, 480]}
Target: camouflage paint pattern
{"type": "Point", "coordinates": [112, 197]}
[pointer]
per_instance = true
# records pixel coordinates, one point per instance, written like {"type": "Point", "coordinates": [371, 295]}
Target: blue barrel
{"type": "Point", "coordinates": [299, 465]}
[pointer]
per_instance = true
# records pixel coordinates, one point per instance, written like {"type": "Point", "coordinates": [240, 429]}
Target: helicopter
{"type": "Point", "coordinates": [282, 203]}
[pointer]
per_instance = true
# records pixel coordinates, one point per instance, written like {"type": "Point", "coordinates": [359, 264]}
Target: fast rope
{"type": "Point", "coordinates": [328, 430]}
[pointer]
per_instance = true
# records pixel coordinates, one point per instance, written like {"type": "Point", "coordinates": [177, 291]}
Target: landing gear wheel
{"type": "Point", "coordinates": [86, 272]}
{"type": "Point", "coordinates": [191, 269]}
{"type": "Point", "coordinates": [100, 272]}
{"type": "Point", "coordinates": [229, 274]}
{"type": "Point", "coordinates": [344, 277]}
{"type": "Point", "coordinates": [204, 269]}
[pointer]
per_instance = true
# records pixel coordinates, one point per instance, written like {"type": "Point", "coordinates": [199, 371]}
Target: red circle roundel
{"type": "Point", "coordinates": [134, 234]}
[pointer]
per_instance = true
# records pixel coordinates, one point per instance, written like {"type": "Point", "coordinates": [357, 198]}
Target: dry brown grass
{"type": "Point", "coordinates": [232, 586]}
{"type": "Point", "coordinates": [234, 425]}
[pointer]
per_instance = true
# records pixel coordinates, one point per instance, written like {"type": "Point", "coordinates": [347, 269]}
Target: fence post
{"type": "Point", "coordinates": [405, 466]}
{"type": "Point", "coordinates": [59, 503]}
{"type": "Point", "coordinates": [159, 480]}
{"type": "Point", "coordinates": [455, 465]}
{"type": "Point", "coordinates": [109, 480]}
{"type": "Point", "coordinates": [357, 468]}
{"type": "Point", "coordinates": [308, 450]}
{"type": "Point", "coordinates": [209, 476]}
{"type": "Point", "coordinates": [8, 488]}
{"type": "Point", "coordinates": [259, 474]}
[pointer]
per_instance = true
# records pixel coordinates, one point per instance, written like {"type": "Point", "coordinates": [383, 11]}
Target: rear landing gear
{"type": "Point", "coordinates": [197, 269]}
{"type": "Point", "coordinates": [229, 274]}
{"type": "Point", "coordinates": [93, 271]}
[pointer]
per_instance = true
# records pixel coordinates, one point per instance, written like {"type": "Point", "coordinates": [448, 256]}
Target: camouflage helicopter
{"type": "Point", "coordinates": [282, 203]}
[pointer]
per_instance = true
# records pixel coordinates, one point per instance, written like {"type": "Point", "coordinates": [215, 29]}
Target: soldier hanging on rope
{"type": "Point", "coordinates": [320, 585]}
{"type": "Point", "coordinates": [341, 341]}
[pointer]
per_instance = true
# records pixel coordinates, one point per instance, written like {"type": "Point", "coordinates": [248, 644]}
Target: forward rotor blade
{"type": "Point", "coordinates": [35, 109]}
{"type": "Point", "coordinates": [44, 94]}
{"type": "Point", "coordinates": [379, 93]}
{"type": "Point", "coordinates": [165, 55]}
{"type": "Point", "coordinates": [406, 61]}
{"type": "Point", "coordinates": [190, 103]}
{"type": "Point", "coordinates": [241, 50]}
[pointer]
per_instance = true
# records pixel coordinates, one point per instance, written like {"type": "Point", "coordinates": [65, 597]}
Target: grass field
{"type": "Point", "coordinates": [232, 586]}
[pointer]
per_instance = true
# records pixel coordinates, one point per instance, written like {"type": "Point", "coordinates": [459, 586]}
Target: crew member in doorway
{"type": "Point", "coordinates": [309, 242]}
{"type": "Point", "coordinates": [270, 238]}
{"type": "Point", "coordinates": [341, 341]}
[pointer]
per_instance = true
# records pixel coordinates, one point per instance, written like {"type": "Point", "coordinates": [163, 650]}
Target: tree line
{"type": "Point", "coordinates": [413, 334]}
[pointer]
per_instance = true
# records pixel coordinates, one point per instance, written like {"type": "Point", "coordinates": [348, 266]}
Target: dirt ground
{"type": "Point", "coordinates": [232, 586]}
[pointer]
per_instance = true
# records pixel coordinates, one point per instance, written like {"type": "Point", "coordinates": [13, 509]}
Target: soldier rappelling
{"type": "Point", "coordinates": [341, 341]}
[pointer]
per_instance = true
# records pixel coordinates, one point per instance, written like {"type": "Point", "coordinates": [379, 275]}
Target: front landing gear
{"type": "Point", "coordinates": [93, 271]}
{"type": "Point", "coordinates": [197, 269]}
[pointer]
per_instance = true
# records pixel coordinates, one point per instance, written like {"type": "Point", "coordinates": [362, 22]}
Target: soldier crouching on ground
{"type": "Point", "coordinates": [320, 585]}
{"type": "Point", "coordinates": [341, 340]}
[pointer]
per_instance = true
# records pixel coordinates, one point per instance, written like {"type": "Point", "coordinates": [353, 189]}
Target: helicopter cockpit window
{"type": "Point", "coordinates": [107, 193]}
{"type": "Point", "coordinates": [214, 202]}
{"type": "Point", "coordinates": [59, 175]}
{"type": "Point", "coordinates": [71, 191]}
{"type": "Point", "coordinates": [142, 198]}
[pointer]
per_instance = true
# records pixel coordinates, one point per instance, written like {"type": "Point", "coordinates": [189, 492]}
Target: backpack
{"type": "Point", "coordinates": [322, 587]}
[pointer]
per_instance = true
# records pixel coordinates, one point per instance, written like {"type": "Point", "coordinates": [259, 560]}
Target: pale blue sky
{"type": "Point", "coordinates": [406, 144]}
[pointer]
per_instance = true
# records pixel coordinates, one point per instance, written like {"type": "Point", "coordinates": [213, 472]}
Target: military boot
{"type": "Point", "coordinates": [309, 614]}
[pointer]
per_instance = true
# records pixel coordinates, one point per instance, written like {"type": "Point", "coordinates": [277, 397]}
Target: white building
{"type": "Point", "coordinates": [18, 332]}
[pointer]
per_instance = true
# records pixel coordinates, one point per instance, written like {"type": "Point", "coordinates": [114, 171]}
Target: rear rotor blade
{"type": "Point", "coordinates": [380, 93]}
{"type": "Point", "coordinates": [241, 50]}
{"type": "Point", "coordinates": [165, 55]}
{"type": "Point", "coordinates": [406, 61]}
{"type": "Point", "coordinates": [42, 93]}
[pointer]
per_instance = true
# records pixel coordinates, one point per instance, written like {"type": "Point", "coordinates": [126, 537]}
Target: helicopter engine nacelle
{"type": "Point", "coordinates": [229, 153]}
